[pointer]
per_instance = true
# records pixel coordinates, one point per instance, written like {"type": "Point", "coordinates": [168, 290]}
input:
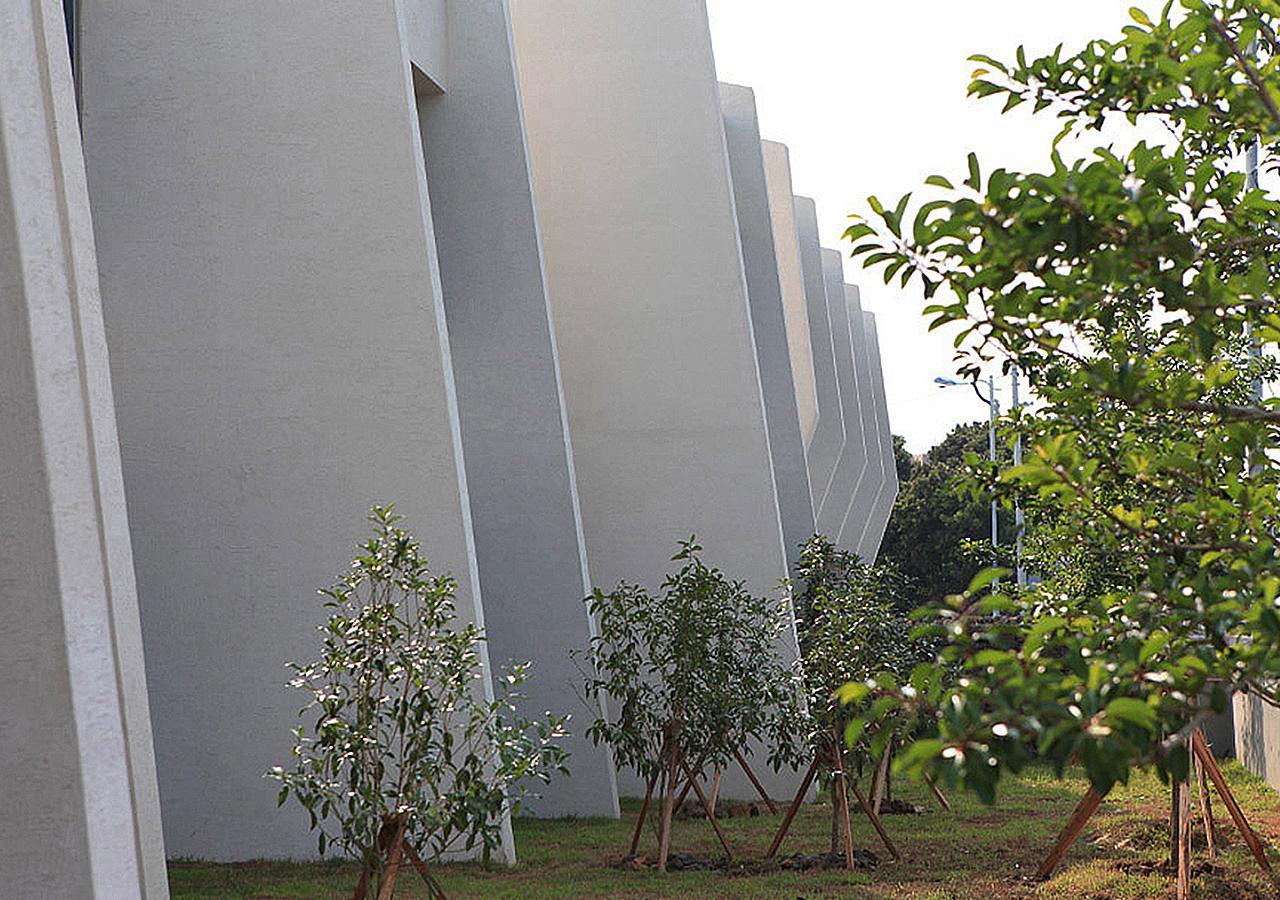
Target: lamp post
{"type": "Point", "coordinates": [993, 407]}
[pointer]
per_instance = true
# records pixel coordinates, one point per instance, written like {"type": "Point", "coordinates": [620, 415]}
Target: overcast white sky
{"type": "Point", "coordinates": [870, 97]}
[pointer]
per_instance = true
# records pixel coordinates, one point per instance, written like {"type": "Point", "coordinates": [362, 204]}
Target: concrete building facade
{"type": "Point", "coordinates": [281, 362]}
{"type": "Point", "coordinates": [768, 318]}
{"type": "Point", "coordinates": [882, 509]}
{"type": "Point", "coordinates": [515, 436]}
{"type": "Point", "coordinates": [828, 438]}
{"type": "Point", "coordinates": [782, 212]}
{"type": "Point", "coordinates": [416, 274]}
{"type": "Point", "coordinates": [852, 461]}
{"type": "Point", "coordinates": [862, 505]}
{"type": "Point", "coordinates": [81, 815]}
{"type": "Point", "coordinates": [648, 289]}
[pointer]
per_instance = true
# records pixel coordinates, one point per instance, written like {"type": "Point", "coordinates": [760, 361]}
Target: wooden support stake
{"type": "Point", "coordinates": [937, 793]}
{"type": "Point", "coordinates": [688, 785]}
{"type": "Point", "coordinates": [644, 811]}
{"type": "Point", "coordinates": [1206, 806]}
{"type": "Point", "coordinates": [1182, 847]}
{"type": "Point", "coordinates": [793, 809]}
{"type": "Point", "coordinates": [880, 780]}
{"type": "Point", "coordinates": [1175, 813]}
{"type": "Point", "coordinates": [393, 861]}
{"type": "Point", "coordinates": [374, 858]}
{"type": "Point", "coordinates": [1200, 747]}
{"type": "Point", "coordinates": [437, 892]}
{"type": "Point", "coordinates": [715, 787]}
{"type": "Point", "coordinates": [751, 776]}
{"type": "Point", "coordinates": [1083, 813]}
{"type": "Point", "coordinates": [875, 822]}
{"type": "Point", "coordinates": [841, 785]}
{"type": "Point", "coordinates": [711, 812]}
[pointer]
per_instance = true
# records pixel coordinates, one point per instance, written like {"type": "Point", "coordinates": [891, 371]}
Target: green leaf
{"type": "Point", "coordinates": [1133, 712]}
{"type": "Point", "coordinates": [975, 173]}
{"type": "Point", "coordinates": [986, 577]}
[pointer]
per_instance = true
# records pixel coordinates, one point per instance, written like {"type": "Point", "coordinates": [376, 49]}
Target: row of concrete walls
{"type": "Point", "coordinates": [768, 317]}
{"type": "Point", "coordinates": [364, 281]}
{"type": "Point", "coordinates": [520, 471]}
{"type": "Point", "coordinates": [649, 291]}
{"type": "Point", "coordinates": [279, 347]}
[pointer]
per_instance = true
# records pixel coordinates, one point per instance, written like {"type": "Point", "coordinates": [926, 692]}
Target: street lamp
{"type": "Point", "coordinates": [993, 405]}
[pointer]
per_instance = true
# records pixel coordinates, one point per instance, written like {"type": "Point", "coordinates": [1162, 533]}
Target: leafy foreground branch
{"type": "Point", "coordinates": [1134, 290]}
{"type": "Point", "coordinates": [410, 755]}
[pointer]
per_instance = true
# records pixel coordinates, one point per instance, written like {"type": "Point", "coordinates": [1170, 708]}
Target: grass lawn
{"type": "Point", "coordinates": [974, 852]}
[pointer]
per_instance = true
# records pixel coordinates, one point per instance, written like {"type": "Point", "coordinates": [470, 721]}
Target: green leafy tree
{"type": "Point", "coordinates": [937, 511]}
{"type": "Point", "coordinates": [1133, 288]}
{"type": "Point", "coordinates": [403, 739]}
{"type": "Point", "coordinates": [852, 627]}
{"type": "Point", "coordinates": [691, 676]}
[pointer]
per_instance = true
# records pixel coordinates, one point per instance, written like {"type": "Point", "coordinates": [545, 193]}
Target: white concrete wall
{"type": "Point", "coordinates": [428, 38]}
{"type": "Point", "coordinates": [1257, 737]}
{"type": "Point", "coordinates": [81, 816]}
{"type": "Point", "coordinates": [871, 482]}
{"type": "Point", "coordinates": [646, 276]}
{"type": "Point", "coordinates": [878, 521]}
{"type": "Point", "coordinates": [768, 317]}
{"type": "Point", "coordinates": [828, 439]}
{"type": "Point", "coordinates": [280, 356]}
{"type": "Point", "coordinates": [852, 462]}
{"type": "Point", "coordinates": [524, 504]}
{"type": "Point", "coordinates": [782, 211]}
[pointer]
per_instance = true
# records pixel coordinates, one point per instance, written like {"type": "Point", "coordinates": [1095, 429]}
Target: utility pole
{"type": "Point", "coordinates": [1019, 519]}
{"type": "Point", "coordinates": [994, 404]}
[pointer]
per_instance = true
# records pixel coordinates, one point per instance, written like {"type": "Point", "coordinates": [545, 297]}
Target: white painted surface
{"type": "Point", "coordinates": [80, 817]}
{"type": "Point", "coordinates": [647, 287]}
{"type": "Point", "coordinates": [280, 356]}
{"type": "Point", "coordinates": [777, 170]}
{"type": "Point", "coordinates": [524, 504]}
{"type": "Point", "coordinates": [428, 38]}
{"type": "Point", "coordinates": [852, 461]}
{"type": "Point", "coordinates": [1257, 737]}
{"type": "Point", "coordinates": [828, 440]}
{"type": "Point", "coordinates": [862, 506]}
{"type": "Point", "coordinates": [869, 547]}
{"type": "Point", "coordinates": [768, 318]}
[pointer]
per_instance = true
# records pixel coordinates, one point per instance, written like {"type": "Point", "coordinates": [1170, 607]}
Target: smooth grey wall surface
{"type": "Point", "coordinates": [1257, 737]}
{"type": "Point", "coordinates": [878, 521]}
{"type": "Point", "coordinates": [647, 286]}
{"type": "Point", "coordinates": [871, 481]}
{"type": "Point", "coordinates": [852, 461]}
{"type": "Point", "coordinates": [829, 436]}
{"type": "Point", "coordinates": [81, 815]}
{"type": "Point", "coordinates": [280, 358]}
{"type": "Point", "coordinates": [524, 503]}
{"type": "Point", "coordinates": [429, 40]}
{"type": "Point", "coordinates": [768, 317]}
{"type": "Point", "coordinates": [782, 211]}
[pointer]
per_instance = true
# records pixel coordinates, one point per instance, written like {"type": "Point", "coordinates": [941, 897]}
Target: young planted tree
{"type": "Point", "coordinates": [1134, 289]}
{"type": "Point", "coordinates": [692, 678]}
{"type": "Point", "coordinates": [409, 756]}
{"type": "Point", "coordinates": [852, 627]}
